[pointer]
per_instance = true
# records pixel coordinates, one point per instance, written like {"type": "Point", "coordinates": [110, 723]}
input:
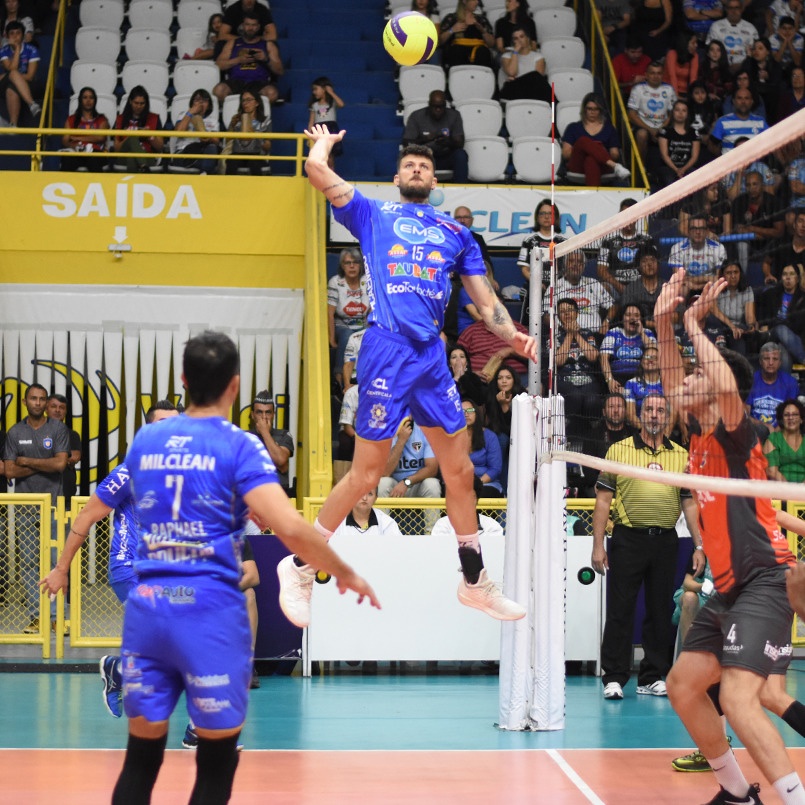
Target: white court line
{"type": "Point", "coordinates": [574, 778]}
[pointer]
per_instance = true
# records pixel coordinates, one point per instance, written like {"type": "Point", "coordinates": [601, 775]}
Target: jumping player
{"type": "Point", "coordinates": [185, 627]}
{"type": "Point", "coordinates": [409, 249]}
{"type": "Point", "coordinates": [743, 633]}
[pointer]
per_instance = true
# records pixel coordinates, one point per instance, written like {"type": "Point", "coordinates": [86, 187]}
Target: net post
{"type": "Point", "coordinates": [535, 320]}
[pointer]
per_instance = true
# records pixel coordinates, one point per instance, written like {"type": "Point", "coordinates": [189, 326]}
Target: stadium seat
{"type": "Point", "coordinates": [232, 104]}
{"type": "Point", "coordinates": [528, 119]}
{"type": "Point", "coordinates": [567, 112]}
{"type": "Point", "coordinates": [156, 14]}
{"type": "Point", "coordinates": [412, 106]}
{"type": "Point", "coordinates": [563, 52]}
{"type": "Point", "coordinates": [188, 76]}
{"type": "Point", "coordinates": [106, 105]}
{"type": "Point", "coordinates": [581, 179]}
{"type": "Point", "coordinates": [188, 40]}
{"type": "Point", "coordinates": [468, 83]}
{"type": "Point", "coordinates": [480, 118]}
{"type": "Point", "coordinates": [553, 22]}
{"type": "Point", "coordinates": [536, 5]}
{"type": "Point", "coordinates": [102, 13]}
{"type": "Point", "coordinates": [488, 158]}
{"type": "Point", "coordinates": [197, 13]}
{"type": "Point", "coordinates": [417, 83]}
{"type": "Point", "coordinates": [97, 44]}
{"type": "Point", "coordinates": [572, 84]}
{"type": "Point", "coordinates": [398, 6]}
{"type": "Point", "coordinates": [158, 104]}
{"type": "Point", "coordinates": [531, 158]}
{"type": "Point", "coordinates": [148, 44]}
{"type": "Point", "coordinates": [150, 74]}
{"type": "Point", "coordinates": [494, 11]}
{"type": "Point", "coordinates": [101, 77]}
{"type": "Point", "coordinates": [180, 103]}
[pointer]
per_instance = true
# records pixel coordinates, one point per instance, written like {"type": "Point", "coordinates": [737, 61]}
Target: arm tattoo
{"type": "Point", "coordinates": [500, 322]}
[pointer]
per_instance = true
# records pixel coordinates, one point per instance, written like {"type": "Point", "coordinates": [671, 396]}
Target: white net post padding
{"type": "Point", "coordinates": [532, 655]}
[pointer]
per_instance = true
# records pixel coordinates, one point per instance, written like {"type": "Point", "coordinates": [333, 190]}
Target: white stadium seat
{"type": "Point", "coordinates": [572, 84]}
{"type": "Point", "coordinates": [101, 77]}
{"type": "Point", "coordinates": [232, 104]}
{"type": "Point", "coordinates": [188, 76]}
{"type": "Point", "coordinates": [417, 83]}
{"type": "Point", "coordinates": [531, 158]}
{"type": "Point", "coordinates": [102, 13]}
{"type": "Point", "coordinates": [480, 118]}
{"type": "Point", "coordinates": [148, 44]}
{"type": "Point", "coordinates": [106, 105]}
{"type": "Point", "coordinates": [180, 103]}
{"type": "Point", "coordinates": [151, 75]}
{"type": "Point", "coordinates": [567, 112]}
{"type": "Point", "coordinates": [528, 119]}
{"type": "Point", "coordinates": [97, 44]}
{"type": "Point", "coordinates": [412, 106]}
{"type": "Point", "coordinates": [488, 158]}
{"type": "Point", "coordinates": [469, 83]}
{"type": "Point", "coordinates": [189, 39]}
{"type": "Point", "coordinates": [563, 52]}
{"type": "Point", "coordinates": [197, 13]}
{"type": "Point", "coordinates": [552, 22]}
{"type": "Point", "coordinates": [156, 14]}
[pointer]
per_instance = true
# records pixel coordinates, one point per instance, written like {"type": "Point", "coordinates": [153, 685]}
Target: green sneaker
{"type": "Point", "coordinates": [695, 761]}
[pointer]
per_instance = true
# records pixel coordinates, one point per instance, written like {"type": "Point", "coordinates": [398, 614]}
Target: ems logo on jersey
{"type": "Point", "coordinates": [397, 250]}
{"type": "Point", "coordinates": [412, 231]}
{"type": "Point", "coordinates": [47, 443]}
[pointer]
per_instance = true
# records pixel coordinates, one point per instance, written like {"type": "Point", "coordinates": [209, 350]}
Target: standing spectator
{"type": "Point", "coordinates": [618, 263]}
{"type": "Point", "coordinates": [615, 17]}
{"type": "Point", "coordinates": [682, 63]}
{"type": "Point", "coordinates": [56, 410]}
{"type": "Point", "coordinates": [786, 46]}
{"type": "Point", "coordinates": [735, 308]}
{"type": "Point", "coordinates": [781, 312]}
{"type": "Point", "coordinates": [651, 22]}
{"type": "Point", "coordinates": [469, 385]}
{"type": "Point", "coordinates": [485, 453]}
{"type": "Point", "coordinates": [756, 213]}
{"type": "Point", "coordinates": [277, 441]}
{"type": "Point", "coordinates": [622, 349]}
{"type": "Point", "coordinates": [323, 103]}
{"type": "Point", "coordinates": [198, 117]}
{"type": "Point", "coordinates": [766, 76]}
{"type": "Point", "coordinates": [516, 16]}
{"type": "Point", "coordinates": [789, 253]}
{"type": "Point", "coordinates": [650, 108]}
{"type": "Point", "coordinates": [137, 116]}
{"type": "Point", "coordinates": [700, 15]}
{"type": "Point", "coordinates": [645, 383]}
{"type": "Point", "coordinates": [488, 352]}
{"type": "Point", "coordinates": [784, 448]}
{"type": "Point", "coordinates": [207, 50]}
{"type": "Point", "coordinates": [35, 458]}
{"type": "Point", "coordinates": [85, 118]}
{"type": "Point", "coordinates": [368, 521]}
{"type": "Point", "coordinates": [591, 144]}
{"type": "Point", "coordinates": [591, 297]}
{"type": "Point", "coordinates": [715, 72]}
{"type": "Point", "coordinates": [741, 123]}
{"type": "Point", "coordinates": [793, 99]}
{"type": "Point", "coordinates": [250, 117]}
{"type": "Point", "coordinates": [20, 61]}
{"type": "Point", "coordinates": [642, 552]}
{"type": "Point", "coordinates": [679, 145]}
{"type": "Point", "coordinates": [735, 33]}
{"type": "Point", "coordinates": [442, 130]}
{"type": "Point", "coordinates": [644, 291]}
{"type": "Point", "coordinates": [524, 67]}
{"type": "Point", "coordinates": [547, 230]}
{"type": "Point", "coordinates": [233, 24]}
{"type": "Point", "coordinates": [347, 304]}
{"type": "Point", "coordinates": [770, 387]}
{"type": "Point", "coordinates": [466, 36]}
{"type": "Point", "coordinates": [700, 256]}
{"type": "Point", "coordinates": [630, 66]}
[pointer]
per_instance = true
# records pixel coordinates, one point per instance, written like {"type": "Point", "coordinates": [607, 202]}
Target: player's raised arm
{"type": "Point", "coordinates": [338, 191]}
{"type": "Point", "coordinates": [671, 370]}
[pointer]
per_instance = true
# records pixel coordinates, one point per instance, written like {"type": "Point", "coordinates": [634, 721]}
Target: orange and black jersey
{"type": "Point", "coordinates": [740, 535]}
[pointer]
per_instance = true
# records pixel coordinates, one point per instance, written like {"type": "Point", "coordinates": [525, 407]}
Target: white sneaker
{"type": "Point", "coordinates": [296, 587]}
{"type": "Point", "coordinates": [613, 690]}
{"type": "Point", "coordinates": [621, 171]}
{"type": "Point", "coordinates": [35, 108]}
{"type": "Point", "coordinates": [486, 596]}
{"type": "Point", "coordinates": [654, 689]}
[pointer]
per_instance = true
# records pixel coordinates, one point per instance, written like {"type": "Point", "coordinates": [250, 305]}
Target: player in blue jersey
{"type": "Point", "coordinates": [409, 250]}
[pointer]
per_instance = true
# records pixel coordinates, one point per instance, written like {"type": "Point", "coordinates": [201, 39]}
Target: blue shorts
{"type": "Point", "coordinates": [177, 637]}
{"type": "Point", "coordinates": [398, 375]}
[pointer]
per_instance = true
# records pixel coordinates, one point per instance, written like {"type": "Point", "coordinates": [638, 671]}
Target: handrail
{"type": "Point", "coordinates": [56, 57]}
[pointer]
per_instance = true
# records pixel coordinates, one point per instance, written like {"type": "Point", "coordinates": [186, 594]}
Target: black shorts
{"type": "Point", "coordinates": [749, 627]}
{"type": "Point", "coordinates": [238, 85]}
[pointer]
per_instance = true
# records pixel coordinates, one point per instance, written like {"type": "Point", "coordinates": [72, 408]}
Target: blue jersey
{"type": "Point", "coordinates": [115, 492]}
{"type": "Point", "coordinates": [625, 351]}
{"type": "Point", "coordinates": [188, 479]}
{"type": "Point", "coordinates": [410, 251]}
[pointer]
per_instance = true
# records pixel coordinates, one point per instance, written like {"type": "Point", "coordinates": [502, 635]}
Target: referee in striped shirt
{"type": "Point", "coordinates": [642, 551]}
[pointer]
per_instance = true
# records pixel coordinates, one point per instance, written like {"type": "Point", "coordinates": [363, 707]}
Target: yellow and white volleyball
{"type": "Point", "coordinates": [410, 38]}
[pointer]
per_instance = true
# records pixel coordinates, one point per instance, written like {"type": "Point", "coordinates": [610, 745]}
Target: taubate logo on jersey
{"type": "Point", "coordinates": [412, 270]}
{"type": "Point", "coordinates": [397, 250]}
{"type": "Point", "coordinates": [412, 231]}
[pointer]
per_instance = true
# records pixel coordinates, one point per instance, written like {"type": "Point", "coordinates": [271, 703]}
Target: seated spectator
{"type": "Point", "coordinates": [728, 129]}
{"type": "Point", "coordinates": [712, 203]}
{"type": "Point", "coordinates": [442, 130]}
{"type": "Point", "coordinates": [766, 76]}
{"type": "Point", "coordinates": [715, 72]}
{"type": "Point", "coordinates": [615, 17]}
{"type": "Point", "coordinates": [251, 116]}
{"type": "Point", "coordinates": [691, 596]}
{"type": "Point", "coordinates": [577, 373]}
{"type": "Point", "coordinates": [516, 16]}
{"type": "Point", "coordinates": [788, 253]}
{"type": "Point", "coordinates": [770, 387]}
{"type": "Point", "coordinates": [783, 8]}
{"type": "Point", "coordinates": [679, 145]}
{"type": "Point", "coordinates": [20, 61]}
{"type": "Point", "coordinates": [469, 385]}
{"type": "Point", "coordinates": [793, 98]}
{"type": "Point", "coordinates": [350, 369]}
{"type": "Point", "coordinates": [248, 61]}
{"type": "Point", "coordinates": [781, 312]}
{"type": "Point", "coordinates": [427, 8]}
{"type": "Point", "coordinates": [645, 382]}
{"type": "Point", "coordinates": [207, 51]}
{"type": "Point", "coordinates": [651, 22]}
{"type": "Point", "coordinates": [622, 349]}
{"type": "Point", "coordinates": [735, 183]}
{"type": "Point", "coordinates": [137, 116]}
{"type": "Point", "coordinates": [524, 67]}
{"type": "Point", "coordinates": [365, 519]}
{"type": "Point", "coordinates": [488, 352]}
{"type": "Point", "coordinates": [591, 145]}
{"type": "Point", "coordinates": [703, 114]}
{"type": "Point", "coordinates": [12, 14]}
{"type": "Point", "coordinates": [784, 448]}
{"type": "Point", "coordinates": [649, 108]}
{"type": "Point", "coordinates": [796, 186]}
{"type": "Point", "coordinates": [466, 36]}
{"type": "Point", "coordinates": [630, 66]}
{"type": "Point", "coordinates": [700, 255]}
{"type": "Point", "coordinates": [547, 229]}
{"type": "Point", "coordinates": [235, 20]}
{"type": "Point", "coordinates": [85, 118]}
{"type": "Point", "coordinates": [484, 451]}
{"type": "Point", "coordinates": [198, 117]}
{"type": "Point", "coordinates": [645, 290]}
{"type": "Point", "coordinates": [786, 46]}
{"type": "Point", "coordinates": [700, 15]}
{"type": "Point", "coordinates": [734, 32]}
{"type": "Point", "coordinates": [502, 389]}
{"type": "Point", "coordinates": [347, 303]}
{"type": "Point", "coordinates": [591, 297]}
{"type": "Point", "coordinates": [755, 213]}
{"type": "Point", "coordinates": [618, 255]}
{"type": "Point", "coordinates": [735, 309]}
{"type": "Point", "coordinates": [682, 63]}
{"type": "Point", "coordinates": [323, 104]}
{"type": "Point", "coordinates": [742, 80]}
{"type": "Point", "coordinates": [346, 424]}
{"type": "Point", "coordinates": [464, 216]}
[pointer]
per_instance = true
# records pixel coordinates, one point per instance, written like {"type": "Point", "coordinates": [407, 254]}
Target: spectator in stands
{"type": "Point", "coordinates": [711, 202]}
{"type": "Point", "coordinates": [615, 17]}
{"type": "Point", "coordinates": [57, 411]}
{"type": "Point", "coordinates": [630, 66]}
{"type": "Point", "coordinates": [788, 253]}
{"type": "Point", "coordinates": [645, 383]}
{"type": "Point", "coordinates": [743, 80]}
{"type": "Point", "coordinates": [502, 389]}
{"type": "Point", "coordinates": [622, 349]}
{"type": "Point", "coordinates": [700, 15]}
{"type": "Point", "coordinates": [700, 255]}
{"type": "Point", "coordinates": [756, 213]}
{"type": "Point", "coordinates": [469, 385]}
{"type": "Point", "coordinates": [429, 9]}
{"type": "Point", "coordinates": [781, 312]}
{"type": "Point", "coordinates": [277, 441]}
{"type": "Point", "coordinates": [516, 16]}
{"type": "Point", "coordinates": [682, 63]}
{"type": "Point", "coordinates": [650, 108]}
{"type": "Point", "coordinates": [793, 99]}
{"type": "Point", "coordinates": [703, 114]}
{"type": "Point", "coordinates": [366, 520]}
{"type": "Point", "coordinates": [323, 104]}
{"type": "Point", "coordinates": [20, 61]}
{"type": "Point", "coordinates": [783, 8]}
{"type": "Point", "coordinates": [198, 117]}
{"type": "Point", "coordinates": [250, 117]}
{"type": "Point", "coordinates": [85, 118]}
{"type": "Point", "coordinates": [249, 61]}
{"type": "Point", "coordinates": [487, 351]}
{"type": "Point", "coordinates": [464, 216]}
{"type": "Point", "coordinates": [466, 36]}
{"type": "Point", "coordinates": [618, 255]}
{"type": "Point", "coordinates": [741, 123]}
{"type": "Point", "coordinates": [591, 145]}
{"type": "Point", "coordinates": [735, 33]}
{"type": "Point", "coordinates": [715, 71]}
{"type": "Point", "coordinates": [577, 372]}
{"type": "Point", "coordinates": [485, 454]}
{"type": "Point", "coordinates": [547, 229]}
{"type": "Point", "coordinates": [766, 76]}
{"type": "Point", "coordinates": [347, 303]}
{"type": "Point", "coordinates": [770, 387]}
{"type": "Point", "coordinates": [12, 14]}
{"type": "Point", "coordinates": [784, 448]}
{"type": "Point", "coordinates": [679, 145]}
{"type": "Point", "coordinates": [644, 291]}
{"type": "Point", "coordinates": [351, 354]}
{"type": "Point", "coordinates": [591, 297]}
{"type": "Point", "coordinates": [137, 116]}
{"type": "Point", "coordinates": [466, 311]}
{"type": "Point", "coordinates": [207, 50]}
{"type": "Point", "coordinates": [442, 130]}
{"type": "Point", "coordinates": [735, 309]}
{"type": "Point", "coordinates": [524, 67]}
{"type": "Point", "coordinates": [651, 23]}
{"type": "Point", "coordinates": [786, 46]}
{"type": "Point", "coordinates": [796, 186]}
{"type": "Point", "coordinates": [235, 17]}
{"type": "Point", "coordinates": [346, 424]}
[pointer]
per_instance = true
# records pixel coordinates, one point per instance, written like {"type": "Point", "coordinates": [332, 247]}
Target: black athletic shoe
{"type": "Point", "coordinates": [255, 683]}
{"type": "Point", "coordinates": [723, 797]}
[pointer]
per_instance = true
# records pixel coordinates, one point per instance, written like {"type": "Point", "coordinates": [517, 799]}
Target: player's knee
{"type": "Point", "coordinates": [430, 488]}
{"type": "Point", "coordinates": [458, 474]}
{"type": "Point", "coordinates": [690, 602]}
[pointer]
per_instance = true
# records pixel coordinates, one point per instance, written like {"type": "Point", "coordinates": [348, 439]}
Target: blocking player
{"type": "Point", "coordinates": [743, 634]}
{"type": "Point", "coordinates": [409, 248]}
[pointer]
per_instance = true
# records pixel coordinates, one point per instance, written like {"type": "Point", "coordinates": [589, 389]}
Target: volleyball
{"type": "Point", "coordinates": [410, 38]}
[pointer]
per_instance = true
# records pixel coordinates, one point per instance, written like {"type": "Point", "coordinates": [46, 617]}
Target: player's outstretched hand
{"type": "Point", "coordinates": [697, 311]}
{"type": "Point", "coordinates": [319, 132]}
{"type": "Point", "coordinates": [524, 345]}
{"type": "Point", "coordinates": [55, 580]}
{"type": "Point", "coordinates": [795, 584]}
{"type": "Point", "coordinates": [352, 581]}
{"type": "Point", "coordinates": [670, 297]}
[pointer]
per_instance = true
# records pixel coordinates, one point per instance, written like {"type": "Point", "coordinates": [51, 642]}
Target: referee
{"type": "Point", "coordinates": [643, 550]}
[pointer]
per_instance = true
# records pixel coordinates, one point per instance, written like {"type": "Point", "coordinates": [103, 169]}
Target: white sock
{"type": "Point", "coordinates": [326, 533]}
{"type": "Point", "coordinates": [469, 541]}
{"type": "Point", "coordinates": [729, 774]}
{"type": "Point", "coordinates": [790, 789]}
